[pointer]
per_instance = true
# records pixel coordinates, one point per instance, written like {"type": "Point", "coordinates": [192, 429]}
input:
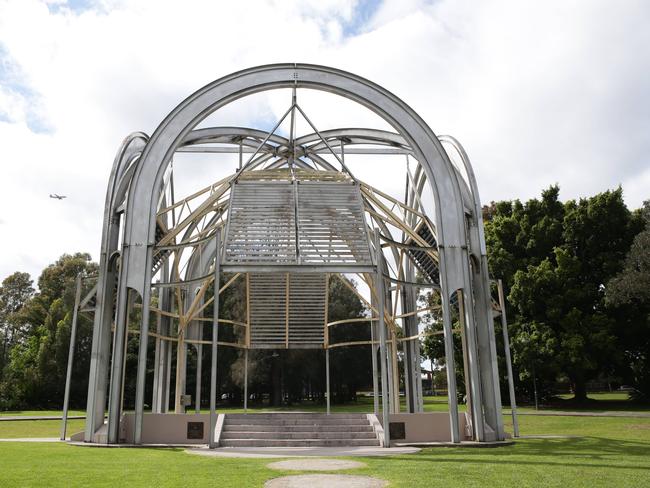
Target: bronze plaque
{"type": "Point", "coordinates": [195, 430]}
{"type": "Point", "coordinates": [397, 430]}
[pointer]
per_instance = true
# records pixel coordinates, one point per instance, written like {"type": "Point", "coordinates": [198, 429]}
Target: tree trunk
{"type": "Point", "coordinates": [579, 390]}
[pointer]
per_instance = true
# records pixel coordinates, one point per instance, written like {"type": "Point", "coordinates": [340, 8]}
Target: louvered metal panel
{"type": "Point", "coordinates": [277, 323]}
{"type": "Point", "coordinates": [268, 310]}
{"type": "Point", "coordinates": [304, 222]}
{"type": "Point", "coordinates": [307, 296]}
{"type": "Point", "coordinates": [331, 225]}
{"type": "Point", "coordinates": [261, 224]}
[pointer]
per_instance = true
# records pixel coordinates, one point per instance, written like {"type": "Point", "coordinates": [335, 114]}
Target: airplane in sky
{"type": "Point", "coordinates": [58, 197]}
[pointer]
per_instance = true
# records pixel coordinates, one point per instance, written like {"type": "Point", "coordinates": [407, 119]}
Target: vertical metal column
{"type": "Point", "coordinates": [471, 365]}
{"type": "Point", "coordinates": [117, 363]}
{"type": "Point", "coordinates": [327, 378]}
{"type": "Point", "coordinates": [163, 362]}
{"type": "Point", "coordinates": [215, 339]}
{"type": "Point", "coordinates": [375, 380]}
{"type": "Point", "coordinates": [506, 345]}
{"type": "Point", "coordinates": [142, 353]}
{"type": "Point", "coordinates": [168, 375]}
{"type": "Point", "coordinates": [155, 396]}
{"type": "Point", "coordinates": [68, 375]}
{"type": "Point", "coordinates": [246, 380]}
{"type": "Point", "coordinates": [181, 363]}
{"type": "Point", "coordinates": [389, 373]}
{"type": "Point", "coordinates": [199, 364]}
{"type": "Point", "coordinates": [452, 399]}
{"type": "Point", "coordinates": [412, 366]}
{"type": "Point", "coordinates": [382, 340]}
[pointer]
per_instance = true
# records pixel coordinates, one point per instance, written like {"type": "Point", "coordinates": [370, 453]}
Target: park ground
{"type": "Point", "coordinates": [601, 451]}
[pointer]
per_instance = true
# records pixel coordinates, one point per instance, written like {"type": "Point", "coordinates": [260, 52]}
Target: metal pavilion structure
{"type": "Point", "coordinates": [290, 218]}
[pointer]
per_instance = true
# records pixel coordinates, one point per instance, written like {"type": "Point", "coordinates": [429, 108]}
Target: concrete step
{"type": "Point", "coordinates": [296, 415]}
{"type": "Point", "coordinates": [298, 435]}
{"type": "Point", "coordinates": [290, 421]}
{"type": "Point", "coordinates": [298, 442]}
{"type": "Point", "coordinates": [297, 430]}
{"type": "Point", "coordinates": [228, 427]}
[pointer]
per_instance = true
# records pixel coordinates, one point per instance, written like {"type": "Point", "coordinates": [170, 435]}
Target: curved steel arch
{"type": "Point", "coordinates": [457, 236]}
{"type": "Point", "coordinates": [139, 229]}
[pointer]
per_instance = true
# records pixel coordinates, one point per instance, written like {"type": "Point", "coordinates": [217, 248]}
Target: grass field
{"type": "Point", "coordinates": [614, 401]}
{"type": "Point", "coordinates": [609, 452]}
{"type": "Point", "coordinates": [597, 452]}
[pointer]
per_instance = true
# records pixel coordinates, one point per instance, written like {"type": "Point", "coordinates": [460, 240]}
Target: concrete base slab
{"type": "Point", "coordinates": [125, 445]}
{"type": "Point", "coordinates": [307, 464]}
{"type": "Point", "coordinates": [549, 436]}
{"type": "Point", "coordinates": [325, 481]}
{"type": "Point", "coordinates": [284, 452]}
{"type": "Point", "coordinates": [458, 444]}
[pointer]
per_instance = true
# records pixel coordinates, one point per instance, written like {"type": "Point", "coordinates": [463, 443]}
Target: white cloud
{"type": "Point", "coordinates": [538, 92]}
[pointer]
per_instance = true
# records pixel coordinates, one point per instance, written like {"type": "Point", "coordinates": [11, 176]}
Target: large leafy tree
{"type": "Point", "coordinates": [629, 293]}
{"type": "Point", "coordinates": [519, 235]}
{"type": "Point", "coordinates": [15, 291]}
{"type": "Point", "coordinates": [35, 375]}
{"type": "Point", "coordinates": [562, 324]}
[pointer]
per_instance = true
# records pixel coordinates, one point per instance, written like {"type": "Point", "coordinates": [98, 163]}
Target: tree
{"type": "Point", "coordinates": [629, 292]}
{"type": "Point", "coordinates": [350, 367]}
{"type": "Point", "coordinates": [560, 305]}
{"type": "Point", "coordinates": [15, 291]}
{"type": "Point", "coordinates": [519, 235]}
{"type": "Point", "coordinates": [290, 375]}
{"type": "Point", "coordinates": [35, 375]}
{"type": "Point", "coordinates": [433, 344]}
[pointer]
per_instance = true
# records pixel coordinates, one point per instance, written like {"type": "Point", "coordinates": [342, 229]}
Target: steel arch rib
{"type": "Point", "coordinates": [442, 176]}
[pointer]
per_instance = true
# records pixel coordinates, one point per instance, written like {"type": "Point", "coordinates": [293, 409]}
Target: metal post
{"type": "Point", "coordinates": [199, 364]}
{"type": "Point", "coordinates": [181, 353]}
{"type": "Point", "coordinates": [395, 373]}
{"type": "Point", "coordinates": [452, 400]}
{"type": "Point", "coordinates": [382, 341]}
{"type": "Point", "coordinates": [245, 380]}
{"type": "Point", "coordinates": [375, 381]}
{"type": "Point", "coordinates": [68, 376]}
{"type": "Point", "coordinates": [168, 376]}
{"type": "Point", "coordinates": [142, 353]}
{"type": "Point", "coordinates": [327, 378]}
{"type": "Point", "coordinates": [215, 339]}
{"type": "Point", "coordinates": [155, 397]}
{"type": "Point", "coordinates": [117, 364]}
{"type": "Point", "coordinates": [506, 345]}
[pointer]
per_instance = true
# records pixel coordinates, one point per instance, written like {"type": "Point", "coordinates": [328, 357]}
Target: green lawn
{"type": "Point", "coordinates": [610, 452]}
{"type": "Point", "coordinates": [11, 429]}
{"type": "Point", "coordinates": [35, 413]}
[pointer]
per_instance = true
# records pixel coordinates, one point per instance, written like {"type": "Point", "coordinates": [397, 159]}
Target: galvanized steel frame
{"type": "Point", "coordinates": [137, 201]}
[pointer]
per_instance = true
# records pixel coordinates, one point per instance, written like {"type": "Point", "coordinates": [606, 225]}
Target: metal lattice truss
{"type": "Point", "coordinates": [289, 219]}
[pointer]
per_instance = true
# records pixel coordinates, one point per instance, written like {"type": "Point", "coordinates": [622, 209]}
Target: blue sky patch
{"type": "Point", "coordinates": [363, 12]}
{"type": "Point", "coordinates": [75, 6]}
{"type": "Point", "coordinates": [13, 81]}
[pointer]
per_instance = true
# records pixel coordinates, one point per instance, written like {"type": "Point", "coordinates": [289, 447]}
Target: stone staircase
{"type": "Point", "coordinates": [297, 430]}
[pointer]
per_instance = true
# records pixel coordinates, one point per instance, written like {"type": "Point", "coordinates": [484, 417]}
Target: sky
{"type": "Point", "coordinates": [539, 93]}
